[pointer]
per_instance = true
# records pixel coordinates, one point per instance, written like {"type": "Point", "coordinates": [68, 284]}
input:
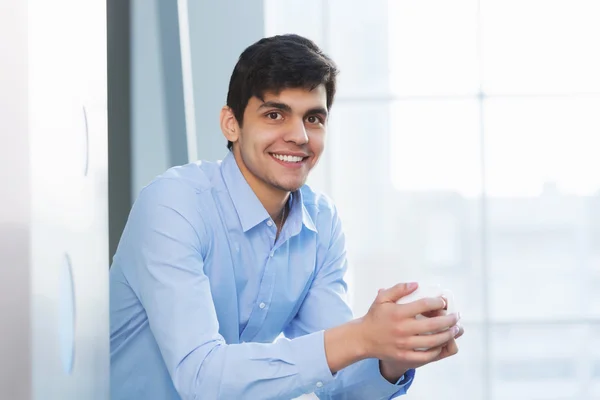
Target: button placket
{"type": "Point", "coordinates": [265, 292]}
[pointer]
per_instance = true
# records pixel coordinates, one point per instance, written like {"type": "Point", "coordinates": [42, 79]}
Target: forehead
{"type": "Point", "coordinates": [296, 98]}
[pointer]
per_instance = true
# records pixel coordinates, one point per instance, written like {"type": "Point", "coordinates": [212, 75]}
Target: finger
{"type": "Point", "coordinates": [423, 356]}
{"type": "Point", "coordinates": [394, 293]}
{"type": "Point", "coordinates": [445, 301]}
{"type": "Point", "coordinates": [435, 313]}
{"type": "Point", "coordinates": [448, 350]}
{"type": "Point", "coordinates": [430, 325]}
{"type": "Point", "coordinates": [424, 305]}
{"type": "Point", "coordinates": [434, 340]}
{"type": "Point", "coordinates": [461, 331]}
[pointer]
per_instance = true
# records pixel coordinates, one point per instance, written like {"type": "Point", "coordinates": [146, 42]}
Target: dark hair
{"type": "Point", "coordinates": [276, 63]}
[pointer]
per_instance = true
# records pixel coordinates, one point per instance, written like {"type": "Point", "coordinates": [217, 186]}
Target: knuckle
{"type": "Point", "coordinates": [402, 342]}
{"type": "Point", "coordinates": [400, 330]}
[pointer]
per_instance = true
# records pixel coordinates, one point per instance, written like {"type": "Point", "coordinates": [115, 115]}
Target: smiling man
{"type": "Point", "coordinates": [218, 259]}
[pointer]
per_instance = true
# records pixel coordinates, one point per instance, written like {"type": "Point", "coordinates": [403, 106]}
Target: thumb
{"type": "Point", "coordinates": [396, 292]}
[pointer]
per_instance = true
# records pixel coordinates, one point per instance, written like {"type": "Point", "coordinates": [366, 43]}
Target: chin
{"type": "Point", "coordinates": [290, 186]}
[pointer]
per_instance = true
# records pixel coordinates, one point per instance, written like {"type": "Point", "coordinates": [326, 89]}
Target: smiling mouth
{"type": "Point", "coordinates": [288, 158]}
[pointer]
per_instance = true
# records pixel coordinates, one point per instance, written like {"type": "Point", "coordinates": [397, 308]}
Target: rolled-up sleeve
{"type": "Point", "coordinates": [325, 307]}
{"type": "Point", "coordinates": [167, 253]}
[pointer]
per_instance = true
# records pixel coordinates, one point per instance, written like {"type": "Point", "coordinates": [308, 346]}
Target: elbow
{"type": "Point", "coordinates": [199, 374]}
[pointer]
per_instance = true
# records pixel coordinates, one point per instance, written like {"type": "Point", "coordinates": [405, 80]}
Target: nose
{"type": "Point", "coordinates": [297, 133]}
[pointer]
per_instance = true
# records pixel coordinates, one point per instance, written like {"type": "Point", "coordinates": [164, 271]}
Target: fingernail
{"type": "Point", "coordinates": [455, 329]}
{"type": "Point", "coordinates": [411, 285]}
{"type": "Point", "coordinates": [445, 303]}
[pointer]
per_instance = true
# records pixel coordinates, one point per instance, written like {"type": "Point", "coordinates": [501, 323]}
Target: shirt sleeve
{"type": "Point", "coordinates": [167, 238]}
{"type": "Point", "coordinates": [325, 306]}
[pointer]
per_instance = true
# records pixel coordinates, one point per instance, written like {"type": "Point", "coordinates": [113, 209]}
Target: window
{"type": "Point", "coordinates": [470, 129]}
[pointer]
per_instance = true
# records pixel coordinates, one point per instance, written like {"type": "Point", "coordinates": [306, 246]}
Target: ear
{"type": "Point", "coordinates": [229, 125]}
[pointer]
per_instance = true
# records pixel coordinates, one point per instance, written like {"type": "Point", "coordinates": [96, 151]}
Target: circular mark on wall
{"type": "Point", "coordinates": [67, 315]}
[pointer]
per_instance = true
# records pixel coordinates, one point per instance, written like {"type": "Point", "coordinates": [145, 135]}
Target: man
{"type": "Point", "coordinates": [218, 259]}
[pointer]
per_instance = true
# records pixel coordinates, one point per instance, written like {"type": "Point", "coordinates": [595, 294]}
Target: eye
{"type": "Point", "coordinates": [274, 116]}
{"type": "Point", "coordinates": [313, 119]}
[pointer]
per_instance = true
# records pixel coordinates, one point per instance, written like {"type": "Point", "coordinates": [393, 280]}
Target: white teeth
{"type": "Point", "coordinates": [290, 159]}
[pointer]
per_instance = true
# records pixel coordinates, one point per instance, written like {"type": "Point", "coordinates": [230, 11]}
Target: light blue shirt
{"type": "Point", "coordinates": [200, 291]}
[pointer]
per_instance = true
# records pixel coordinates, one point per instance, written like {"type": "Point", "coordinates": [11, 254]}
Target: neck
{"type": "Point", "coordinates": [272, 199]}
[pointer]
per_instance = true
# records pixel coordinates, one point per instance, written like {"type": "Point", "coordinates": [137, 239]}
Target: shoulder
{"type": "Point", "coordinates": [181, 183]}
{"type": "Point", "coordinates": [184, 189]}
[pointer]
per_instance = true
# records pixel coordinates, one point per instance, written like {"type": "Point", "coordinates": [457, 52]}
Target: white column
{"type": "Point", "coordinates": [54, 213]}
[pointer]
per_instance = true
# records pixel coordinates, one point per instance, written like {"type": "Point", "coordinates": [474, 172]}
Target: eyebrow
{"type": "Point", "coordinates": [274, 104]}
{"type": "Point", "coordinates": [286, 108]}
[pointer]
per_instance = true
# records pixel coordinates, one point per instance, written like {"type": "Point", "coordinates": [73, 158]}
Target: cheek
{"type": "Point", "coordinates": [317, 143]}
{"type": "Point", "coordinates": [261, 139]}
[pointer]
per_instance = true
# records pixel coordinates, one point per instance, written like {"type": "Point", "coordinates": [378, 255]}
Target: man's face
{"type": "Point", "coordinates": [282, 137]}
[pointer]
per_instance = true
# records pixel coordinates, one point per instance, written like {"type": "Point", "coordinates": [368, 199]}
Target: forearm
{"type": "Point", "coordinates": [359, 374]}
{"type": "Point", "coordinates": [363, 380]}
{"type": "Point", "coordinates": [344, 345]}
{"type": "Point", "coordinates": [284, 369]}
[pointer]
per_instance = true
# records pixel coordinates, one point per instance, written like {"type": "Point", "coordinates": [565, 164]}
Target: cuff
{"type": "Point", "coordinates": [406, 379]}
{"type": "Point", "coordinates": [382, 385]}
{"type": "Point", "coordinates": [309, 353]}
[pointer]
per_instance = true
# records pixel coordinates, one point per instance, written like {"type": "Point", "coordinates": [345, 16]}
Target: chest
{"type": "Point", "coordinates": [259, 283]}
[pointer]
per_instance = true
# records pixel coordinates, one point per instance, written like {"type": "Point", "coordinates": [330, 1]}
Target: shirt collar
{"type": "Point", "coordinates": [248, 207]}
{"type": "Point", "coordinates": [306, 218]}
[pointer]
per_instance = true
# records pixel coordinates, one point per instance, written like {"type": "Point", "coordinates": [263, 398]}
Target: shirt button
{"type": "Point", "coordinates": [272, 254]}
{"type": "Point", "coordinates": [319, 384]}
{"type": "Point", "coordinates": [262, 305]}
{"type": "Point", "coordinates": [270, 223]}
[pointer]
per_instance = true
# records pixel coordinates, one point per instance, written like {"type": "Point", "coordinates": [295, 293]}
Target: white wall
{"type": "Point", "coordinates": [54, 217]}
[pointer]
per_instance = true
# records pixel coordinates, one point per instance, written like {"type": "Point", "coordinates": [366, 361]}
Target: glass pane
{"type": "Point", "coordinates": [592, 353]}
{"type": "Point", "coordinates": [541, 46]}
{"type": "Point", "coordinates": [544, 144]}
{"type": "Point", "coordinates": [541, 169]}
{"type": "Point", "coordinates": [433, 47]}
{"type": "Point", "coordinates": [358, 151]}
{"type": "Point", "coordinates": [435, 164]}
{"type": "Point", "coordinates": [436, 146]}
{"type": "Point", "coordinates": [456, 378]}
{"type": "Point", "coordinates": [394, 235]}
{"type": "Point", "coordinates": [359, 137]}
{"type": "Point", "coordinates": [540, 362]}
{"type": "Point", "coordinates": [303, 17]}
{"type": "Point", "coordinates": [358, 42]}
{"type": "Point", "coordinates": [592, 306]}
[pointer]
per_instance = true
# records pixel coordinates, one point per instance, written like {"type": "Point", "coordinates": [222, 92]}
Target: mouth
{"type": "Point", "coordinates": [289, 160]}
